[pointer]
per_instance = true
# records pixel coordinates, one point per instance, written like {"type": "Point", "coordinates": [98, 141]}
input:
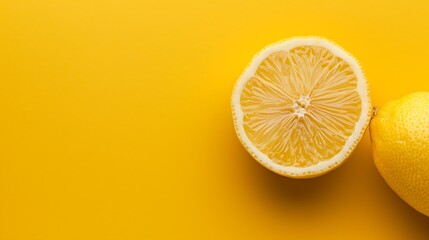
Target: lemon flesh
{"type": "Point", "coordinates": [400, 141]}
{"type": "Point", "coordinates": [301, 106]}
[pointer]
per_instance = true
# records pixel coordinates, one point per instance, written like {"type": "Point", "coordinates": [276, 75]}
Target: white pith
{"type": "Point", "coordinates": [351, 142]}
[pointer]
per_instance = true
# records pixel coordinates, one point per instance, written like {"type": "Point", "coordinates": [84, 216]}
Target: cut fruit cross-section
{"type": "Point", "coordinates": [301, 106]}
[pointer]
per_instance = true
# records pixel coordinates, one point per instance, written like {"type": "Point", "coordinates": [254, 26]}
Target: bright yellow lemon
{"type": "Point", "coordinates": [400, 141]}
{"type": "Point", "coordinates": [301, 106]}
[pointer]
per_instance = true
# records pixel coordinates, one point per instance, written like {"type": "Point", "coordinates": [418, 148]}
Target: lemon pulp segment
{"type": "Point", "coordinates": [301, 105]}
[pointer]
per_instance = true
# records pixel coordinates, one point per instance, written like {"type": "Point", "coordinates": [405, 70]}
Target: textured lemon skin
{"type": "Point", "coordinates": [400, 141]}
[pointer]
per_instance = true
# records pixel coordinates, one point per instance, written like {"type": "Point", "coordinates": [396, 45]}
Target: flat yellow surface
{"type": "Point", "coordinates": [116, 122]}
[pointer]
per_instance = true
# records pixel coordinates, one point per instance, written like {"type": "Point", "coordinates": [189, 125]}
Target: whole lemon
{"type": "Point", "coordinates": [400, 141]}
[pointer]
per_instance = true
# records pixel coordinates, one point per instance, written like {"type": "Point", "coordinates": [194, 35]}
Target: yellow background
{"type": "Point", "coordinates": [116, 123]}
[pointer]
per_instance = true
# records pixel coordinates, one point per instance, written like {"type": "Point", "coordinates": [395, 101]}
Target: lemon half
{"type": "Point", "coordinates": [301, 106]}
